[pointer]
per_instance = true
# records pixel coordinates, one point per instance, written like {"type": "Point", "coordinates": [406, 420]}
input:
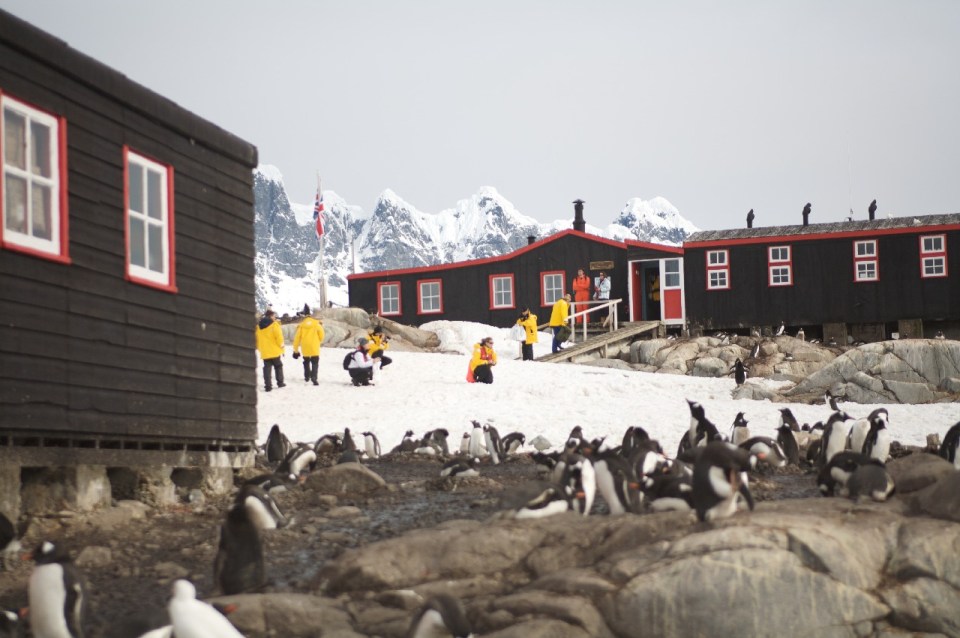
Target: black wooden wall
{"type": "Point", "coordinates": [85, 352]}
{"type": "Point", "coordinates": [465, 286]}
{"type": "Point", "coordinates": [824, 290]}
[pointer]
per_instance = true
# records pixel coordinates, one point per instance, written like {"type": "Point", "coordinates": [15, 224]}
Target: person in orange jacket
{"type": "Point", "coordinates": [581, 293]}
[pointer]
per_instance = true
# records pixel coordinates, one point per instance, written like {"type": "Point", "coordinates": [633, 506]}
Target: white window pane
{"type": "Point", "coordinates": [135, 187]}
{"type": "Point", "coordinates": [154, 199]}
{"type": "Point", "coordinates": [137, 256]}
{"type": "Point", "coordinates": [15, 204]}
{"type": "Point", "coordinates": [14, 139]}
{"type": "Point", "coordinates": [40, 150]}
{"type": "Point", "coordinates": [40, 213]}
{"type": "Point", "coordinates": [155, 247]}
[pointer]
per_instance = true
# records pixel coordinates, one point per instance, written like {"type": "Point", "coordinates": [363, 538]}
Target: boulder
{"type": "Point", "coordinates": [344, 478]}
{"type": "Point", "coordinates": [355, 317]}
{"type": "Point", "coordinates": [288, 614]}
{"type": "Point", "coordinates": [905, 392]}
{"type": "Point", "coordinates": [917, 471]}
{"type": "Point", "coordinates": [710, 367]}
{"type": "Point", "coordinates": [943, 500]}
{"type": "Point", "coordinates": [754, 392]}
{"type": "Point", "coordinates": [646, 351]}
{"type": "Point", "coordinates": [951, 385]}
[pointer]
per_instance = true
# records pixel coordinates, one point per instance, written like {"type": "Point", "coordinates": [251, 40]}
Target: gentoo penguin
{"type": "Point", "coordinates": [57, 594]}
{"type": "Point", "coordinates": [877, 443]}
{"type": "Point", "coordinates": [832, 400]}
{"type": "Point", "coordinates": [633, 437]}
{"type": "Point", "coordinates": [801, 335]}
{"type": "Point", "coordinates": [580, 477]}
{"type": "Point", "coordinates": [153, 623]}
{"type": "Point", "coordinates": [788, 443]}
{"type": "Point", "coordinates": [438, 438]}
{"type": "Point", "coordinates": [719, 479]}
{"type": "Point", "coordinates": [348, 456]}
{"type": "Point", "coordinates": [299, 459]}
{"type": "Point", "coordinates": [616, 483]}
{"type": "Point", "coordinates": [10, 626]}
{"type": "Point", "coordinates": [833, 477]}
{"type": "Point", "coordinates": [407, 443]}
{"type": "Point", "coordinates": [476, 441]}
{"type": "Point", "coordinates": [577, 434]}
{"type": "Point", "coordinates": [9, 542]}
{"type": "Point", "coordinates": [329, 444]}
{"type": "Point", "coordinates": [348, 442]}
{"type": "Point", "coordinates": [740, 431]}
{"type": "Point", "coordinates": [272, 483]}
{"type": "Point", "coordinates": [766, 450]}
{"type": "Point", "coordinates": [371, 445]}
{"type": "Point", "coordinates": [781, 329]}
{"type": "Point", "coordinates": [192, 618]}
{"type": "Point", "coordinates": [668, 492]}
{"type": "Point", "coordinates": [948, 449]}
{"type": "Point", "coordinates": [702, 430]}
{"type": "Point", "coordinates": [512, 442]}
{"type": "Point", "coordinates": [442, 616]}
{"type": "Point", "coordinates": [553, 499]}
{"type": "Point", "coordinates": [834, 439]}
{"type": "Point", "coordinates": [739, 372]}
{"type": "Point", "coordinates": [648, 460]}
{"type": "Point", "coordinates": [492, 438]}
{"type": "Point", "coordinates": [870, 480]}
{"type": "Point", "coordinates": [755, 351]}
{"type": "Point", "coordinates": [278, 445]}
{"type": "Point", "coordinates": [460, 466]}
{"type": "Point", "coordinates": [858, 434]}
{"type": "Point", "coordinates": [262, 509]}
{"type": "Point", "coordinates": [787, 418]}
{"type": "Point", "coordinates": [465, 443]}
{"type": "Point", "coordinates": [238, 566]}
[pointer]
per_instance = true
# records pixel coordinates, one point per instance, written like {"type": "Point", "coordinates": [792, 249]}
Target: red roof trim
{"type": "Point", "coordinates": [775, 239]}
{"type": "Point", "coordinates": [633, 243]}
{"type": "Point", "coordinates": [486, 260]}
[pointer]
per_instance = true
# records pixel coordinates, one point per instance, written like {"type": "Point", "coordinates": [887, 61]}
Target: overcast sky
{"type": "Point", "coordinates": [719, 107]}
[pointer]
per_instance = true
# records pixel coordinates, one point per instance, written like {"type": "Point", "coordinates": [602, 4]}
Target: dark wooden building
{"type": "Point", "coordinates": [867, 279]}
{"type": "Point", "coordinates": [126, 263]}
{"type": "Point", "coordinates": [494, 290]}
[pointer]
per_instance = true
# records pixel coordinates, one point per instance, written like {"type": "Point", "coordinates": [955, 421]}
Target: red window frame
{"type": "Point", "coordinates": [779, 263]}
{"type": "Point", "coordinates": [420, 310]}
{"type": "Point", "coordinates": [723, 268]}
{"type": "Point", "coordinates": [170, 285]}
{"type": "Point", "coordinates": [543, 289]}
{"type": "Point", "coordinates": [866, 259]}
{"type": "Point", "coordinates": [380, 311]}
{"type": "Point", "coordinates": [513, 291]}
{"type": "Point", "coordinates": [62, 254]}
{"type": "Point", "coordinates": [941, 254]}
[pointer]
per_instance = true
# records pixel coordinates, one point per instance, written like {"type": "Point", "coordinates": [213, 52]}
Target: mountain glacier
{"type": "Point", "coordinates": [396, 235]}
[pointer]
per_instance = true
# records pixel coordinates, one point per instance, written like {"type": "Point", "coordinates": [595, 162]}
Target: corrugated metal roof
{"type": "Point", "coordinates": [817, 229]}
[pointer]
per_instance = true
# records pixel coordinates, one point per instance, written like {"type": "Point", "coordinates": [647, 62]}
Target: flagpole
{"type": "Point", "coordinates": [323, 279]}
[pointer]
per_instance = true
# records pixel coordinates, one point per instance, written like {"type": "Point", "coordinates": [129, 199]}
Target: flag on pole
{"type": "Point", "coordinates": [318, 213]}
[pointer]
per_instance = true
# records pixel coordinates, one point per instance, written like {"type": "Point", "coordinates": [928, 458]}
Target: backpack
{"type": "Point", "coordinates": [347, 359]}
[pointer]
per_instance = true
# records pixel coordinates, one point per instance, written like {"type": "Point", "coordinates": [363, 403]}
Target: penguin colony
{"type": "Point", "coordinates": [709, 476]}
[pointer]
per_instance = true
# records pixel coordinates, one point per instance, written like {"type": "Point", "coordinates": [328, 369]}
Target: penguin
{"type": "Point", "coordinates": [740, 431]}
{"type": "Point", "coordinates": [460, 467]}
{"type": "Point", "coordinates": [567, 457]}
{"type": "Point", "coordinates": [633, 439]}
{"type": "Point", "coordinates": [739, 372]}
{"type": "Point", "coordinates": [9, 542]}
{"type": "Point", "coordinates": [329, 444]}
{"type": "Point", "coordinates": [580, 477]}
{"type": "Point", "coordinates": [755, 351]}
{"type": "Point", "coordinates": [57, 593]}
{"type": "Point", "coordinates": [278, 445]}
{"type": "Point", "coordinates": [834, 439]}
{"type": "Point", "coordinates": [371, 445]}
{"type": "Point", "coordinates": [877, 443]}
{"type": "Point", "coordinates": [192, 618]}
{"type": "Point", "coordinates": [719, 480]}
{"type": "Point", "coordinates": [788, 443]}
{"type": "Point", "coordinates": [801, 335]}
{"type": "Point", "coordinates": [858, 434]}
{"type": "Point", "coordinates": [870, 480]}
{"type": "Point", "coordinates": [272, 483]}
{"type": "Point", "coordinates": [833, 477]}
{"type": "Point", "coordinates": [553, 499]}
{"type": "Point", "coordinates": [349, 456]}
{"type": "Point", "coordinates": [348, 442]}
{"type": "Point", "coordinates": [648, 460]}
{"type": "Point", "coordinates": [668, 492]}
{"type": "Point", "coordinates": [407, 443]}
{"type": "Point", "coordinates": [939, 335]}
{"type": "Point", "coordinates": [262, 509]}
{"type": "Point", "coordinates": [576, 433]}
{"type": "Point", "coordinates": [10, 626]}
{"type": "Point", "coordinates": [238, 567]}
{"type": "Point", "coordinates": [492, 438]}
{"type": "Point", "coordinates": [154, 623]}
{"type": "Point", "coordinates": [766, 450]}
{"type": "Point", "coordinates": [442, 616]}
{"type": "Point", "coordinates": [512, 442]}
{"type": "Point", "coordinates": [948, 449]}
{"type": "Point", "coordinates": [438, 438]}
{"type": "Point", "coordinates": [299, 459]}
{"type": "Point", "coordinates": [616, 483]}
{"type": "Point", "coordinates": [702, 430]}
{"type": "Point", "coordinates": [465, 443]}
{"type": "Point", "coordinates": [781, 329]}
{"type": "Point", "coordinates": [546, 461]}
{"type": "Point", "coordinates": [476, 437]}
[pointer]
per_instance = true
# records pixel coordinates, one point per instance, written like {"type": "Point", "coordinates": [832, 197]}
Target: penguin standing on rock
{"type": "Point", "coordinates": [948, 449]}
{"type": "Point", "coordinates": [834, 439]}
{"type": "Point", "coordinates": [465, 443]}
{"type": "Point", "coordinates": [788, 443]}
{"type": "Point", "coordinates": [442, 616]}
{"type": "Point", "coordinates": [57, 594]}
{"type": "Point", "coordinates": [492, 438]}
{"type": "Point", "coordinates": [371, 445]}
{"type": "Point", "coordinates": [278, 445]}
{"type": "Point", "coordinates": [192, 618]}
{"type": "Point", "coordinates": [262, 509]}
{"type": "Point", "coordinates": [740, 431]}
{"type": "Point", "coordinates": [581, 478]}
{"type": "Point", "coordinates": [238, 567]}
{"type": "Point", "coordinates": [877, 443]}
{"type": "Point", "coordinates": [719, 480]}
{"type": "Point", "coordinates": [739, 372]}
{"type": "Point", "coordinates": [476, 441]}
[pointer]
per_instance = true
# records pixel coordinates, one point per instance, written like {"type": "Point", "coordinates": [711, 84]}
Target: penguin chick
{"type": "Point", "coordinates": [442, 616]}
{"type": "Point", "coordinates": [719, 479]}
{"type": "Point", "coordinates": [192, 618]}
{"type": "Point", "coordinates": [57, 594]}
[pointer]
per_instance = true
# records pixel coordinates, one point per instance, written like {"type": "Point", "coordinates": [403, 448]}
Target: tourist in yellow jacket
{"type": "Point", "coordinates": [558, 319]}
{"type": "Point", "coordinates": [482, 362]}
{"type": "Point", "coordinates": [270, 345]}
{"type": "Point", "coordinates": [529, 323]}
{"type": "Point", "coordinates": [378, 342]}
{"type": "Point", "coordinates": [307, 342]}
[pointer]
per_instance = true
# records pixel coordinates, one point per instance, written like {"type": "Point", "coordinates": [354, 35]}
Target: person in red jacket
{"type": "Point", "coordinates": [581, 293]}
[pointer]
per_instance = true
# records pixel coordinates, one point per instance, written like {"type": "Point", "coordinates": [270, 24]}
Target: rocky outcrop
{"type": "Point", "coordinates": [342, 326]}
{"type": "Point", "coordinates": [904, 371]}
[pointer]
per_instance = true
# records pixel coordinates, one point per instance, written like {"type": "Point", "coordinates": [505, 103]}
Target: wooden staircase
{"type": "Point", "coordinates": [603, 341]}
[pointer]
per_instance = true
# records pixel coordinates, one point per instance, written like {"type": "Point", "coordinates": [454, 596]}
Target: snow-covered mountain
{"type": "Point", "coordinates": [397, 235]}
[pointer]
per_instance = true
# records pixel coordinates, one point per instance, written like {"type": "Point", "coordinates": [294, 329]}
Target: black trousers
{"type": "Point", "coordinates": [361, 376]}
{"type": "Point", "coordinates": [272, 364]}
{"type": "Point", "coordinates": [483, 373]}
{"type": "Point", "coordinates": [526, 350]}
{"type": "Point", "coordinates": [310, 365]}
{"type": "Point", "coordinates": [384, 360]}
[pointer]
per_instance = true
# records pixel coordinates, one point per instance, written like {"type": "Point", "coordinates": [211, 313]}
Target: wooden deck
{"type": "Point", "coordinates": [603, 341]}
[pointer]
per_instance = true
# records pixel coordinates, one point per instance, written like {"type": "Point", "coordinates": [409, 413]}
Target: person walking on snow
{"type": "Point", "coordinates": [307, 342]}
{"type": "Point", "coordinates": [270, 345]}
{"type": "Point", "coordinates": [529, 323]}
{"type": "Point", "coordinates": [558, 319]}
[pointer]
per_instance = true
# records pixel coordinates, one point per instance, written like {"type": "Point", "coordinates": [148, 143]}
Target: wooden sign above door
{"type": "Point", "coordinates": [601, 265]}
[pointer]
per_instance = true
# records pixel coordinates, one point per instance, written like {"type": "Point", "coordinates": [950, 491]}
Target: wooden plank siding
{"type": "Point", "coordinates": [84, 351]}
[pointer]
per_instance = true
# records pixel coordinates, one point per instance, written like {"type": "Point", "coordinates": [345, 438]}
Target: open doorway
{"type": "Point", "coordinates": [650, 283]}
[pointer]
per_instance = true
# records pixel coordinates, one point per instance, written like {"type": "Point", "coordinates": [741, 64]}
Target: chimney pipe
{"type": "Point", "coordinates": [806, 214]}
{"type": "Point", "coordinates": [750, 217]}
{"type": "Point", "coordinates": [531, 239]}
{"type": "Point", "coordinates": [578, 223]}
